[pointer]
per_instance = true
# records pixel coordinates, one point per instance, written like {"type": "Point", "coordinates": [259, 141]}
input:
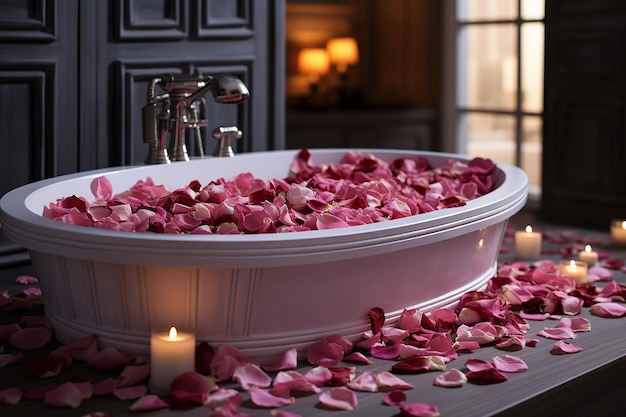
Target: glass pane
{"type": "Point", "coordinates": [468, 10]}
{"type": "Point", "coordinates": [533, 9]}
{"type": "Point", "coordinates": [532, 67]}
{"type": "Point", "coordinates": [487, 67]}
{"type": "Point", "coordinates": [532, 149]}
{"type": "Point", "coordinates": [491, 136]}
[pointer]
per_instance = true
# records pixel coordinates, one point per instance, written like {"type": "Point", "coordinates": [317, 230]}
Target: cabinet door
{"type": "Point", "coordinates": [585, 112]}
{"type": "Point", "coordinates": [74, 78]}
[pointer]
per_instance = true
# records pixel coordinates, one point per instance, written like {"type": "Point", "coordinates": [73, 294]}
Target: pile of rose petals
{"type": "Point", "coordinates": [360, 189]}
{"type": "Point", "coordinates": [418, 342]}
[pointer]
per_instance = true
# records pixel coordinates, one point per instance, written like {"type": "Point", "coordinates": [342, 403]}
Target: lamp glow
{"type": "Point", "coordinates": [313, 62]}
{"type": "Point", "coordinates": [343, 52]}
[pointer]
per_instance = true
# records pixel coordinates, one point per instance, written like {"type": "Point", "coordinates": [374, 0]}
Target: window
{"type": "Point", "coordinates": [494, 90]}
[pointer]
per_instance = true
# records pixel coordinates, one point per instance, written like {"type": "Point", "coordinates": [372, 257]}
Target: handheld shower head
{"type": "Point", "coordinates": [228, 89]}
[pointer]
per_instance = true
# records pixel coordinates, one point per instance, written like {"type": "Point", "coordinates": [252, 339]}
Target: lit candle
{"type": "Point", "coordinates": [573, 269]}
{"type": "Point", "coordinates": [588, 256]}
{"type": "Point", "coordinates": [527, 244]}
{"type": "Point", "coordinates": [171, 354]}
{"type": "Point", "coordinates": [618, 232]}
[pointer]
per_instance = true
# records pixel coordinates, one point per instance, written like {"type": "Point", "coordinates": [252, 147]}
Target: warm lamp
{"type": "Point", "coordinates": [343, 52]}
{"type": "Point", "coordinates": [313, 62]}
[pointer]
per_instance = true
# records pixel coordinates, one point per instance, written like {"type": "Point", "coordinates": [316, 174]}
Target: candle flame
{"type": "Point", "coordinates": [481, 243]}
{"type": "Point", "coordinates": [529, 229]}
{"type": "Point", "coordinates": [173, 333]}
{"type": "Point", "coordinates": [588, 248]}
{"type": "Point", "coordinates": [572, 264]}
{"type": "Point", "coordinates": [624, 224]}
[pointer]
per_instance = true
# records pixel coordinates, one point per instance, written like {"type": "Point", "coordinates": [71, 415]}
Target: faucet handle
{"type": "Point", "coordinates": [223, 134]}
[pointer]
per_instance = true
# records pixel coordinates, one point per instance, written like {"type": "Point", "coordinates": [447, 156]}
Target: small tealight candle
{"type": "Point", "coordinates": [618, 232]}
{"type": "Point", "coordinates": [171, 354]}
{"type": "Point", "coordinates": [527, 244]}
{"type": "Point", "coordinates": [573, 269]}
{"type": "Point", "coordinates": [588, 256]}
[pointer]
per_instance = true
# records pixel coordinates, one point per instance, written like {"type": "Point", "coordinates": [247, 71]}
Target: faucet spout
{"type": "Point", "coordinates": [183, 107]}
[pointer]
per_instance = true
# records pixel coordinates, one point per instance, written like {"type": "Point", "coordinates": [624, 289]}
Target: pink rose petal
{"type": "Point", "coordinates": [65, 395]}
{"type": "Point", "coordinates": [565, 347]}
{"type": "Point", "coordinates": [387, 380]}
{"type": "Point", "coordinates": [31, 338]}
{"type": "Point", "coordinates": [130, 393]}
{"type": "Point", "coordinates": [282, 413]}
{"type": "Point", "coordinates": [508, 363]}
{"type": "Point", "coordinates": [295, 382]}
{"type": "Point", "coordinates": [395, 398]}
{"type": "Point", "coordinates": [192, 387]}
{"type": "Point", "coordinates": [106, 386]}
{"type": "Point", "coordinates": [608, 310]}
{"type": "Point", "coordinates": [357, 358]}
{"type": "Point", "coordinates": [365, 382]}
{"type": "Point", "coordinates": [319, 375]}
{"type": "Point", "coordinates": [101, 188]}
{"type": "Point", "coordinates": [287, 361]}
{"type": "Point", "coordinates": [134, 375]}
{"type": "Point", "coordinates": [10, 396]}
{"type": "Point", "coordinates": [7, 330]}
{"type": "Point", "coordinates": [8, 359]}
{"type": "Point", "coordinates": [251, 375]}
{"type": "Point", "coordinates": [270, 398]}
{"type": "Point", "coordinates": [451, 379]}
{"type": "Point", "coordinates": [557, 333]}
{"type": "Point", "coordinates": [419, 410]}
{"type": "Point", "coordinates": [148, 403]}
{"type": "Point", "coordinates": [418, 364]}
{"type": "Point", "coordinates": [224, 398]}
{"type": "Point", "coordinates": [386, 352]}
{"type": "Point", "coordinates": [324, 354]}
{"type": "Point", "coordinates": [26, 280]}
{"type": "Point", "coordinates": [339, 398]}
{"type": "Point", "coordinates": [83, 349]}
{"type": "Point", "coordinates": [109, 359]}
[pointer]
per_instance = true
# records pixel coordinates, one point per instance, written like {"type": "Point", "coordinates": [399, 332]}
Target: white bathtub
{"type": "Point", "coordinates": [263, 293]}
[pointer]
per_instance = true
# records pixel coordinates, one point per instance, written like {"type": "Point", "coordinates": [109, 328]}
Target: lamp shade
{"type": "Point", "coordinates": [313, 62]}
{"type": "Point", "coordinates": [343, 52]}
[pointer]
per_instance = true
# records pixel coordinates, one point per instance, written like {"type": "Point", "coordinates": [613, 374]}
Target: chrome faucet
{"type": "Point", "coordinates": [181, 107]}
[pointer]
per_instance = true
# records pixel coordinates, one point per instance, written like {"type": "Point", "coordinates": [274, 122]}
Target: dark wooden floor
{"type": "Point", "coordinates": [588, 383]}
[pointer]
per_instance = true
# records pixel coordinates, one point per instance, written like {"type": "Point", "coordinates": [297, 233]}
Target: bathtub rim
{"type": "Point", "coordinates": [31, 230]}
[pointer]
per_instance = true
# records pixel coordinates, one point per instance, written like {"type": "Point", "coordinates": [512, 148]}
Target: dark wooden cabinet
{"type": "Point", "coordinates": [363, 128]}
{"type": "Point", "coordinates": [74, 77]}
{"type": "Point", "coordinates": [584, 148]}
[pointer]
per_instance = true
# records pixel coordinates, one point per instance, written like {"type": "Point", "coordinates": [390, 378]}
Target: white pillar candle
{"type": "Point", "coordinates": [618, 232]}
{"type": "Point", "coordinates": [527, 244]}
{"type": "Point", "coordinates": [171, 354]}
{"type": "Point", "coordinates": [588, 256]}
{"type": "Point", "coordinates": [573, 269]}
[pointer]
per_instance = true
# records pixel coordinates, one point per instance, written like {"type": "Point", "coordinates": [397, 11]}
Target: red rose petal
{"type": "Point", "coordinates": [45, 366]}
{"type": "Point", "coordinates": [395, 398]}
